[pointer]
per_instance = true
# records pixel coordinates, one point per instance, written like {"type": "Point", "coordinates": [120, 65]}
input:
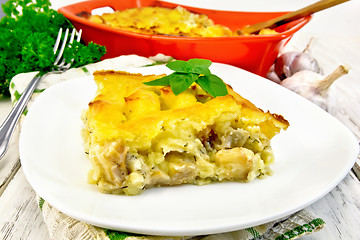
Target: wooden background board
{"type": "Point", "coordinates": [337, 42]}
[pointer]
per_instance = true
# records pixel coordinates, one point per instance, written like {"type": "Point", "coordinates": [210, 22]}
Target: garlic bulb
{"type": "Point", "coordinates": [315, 87]}
{"type": "Point", "coordinates": [290, 63]}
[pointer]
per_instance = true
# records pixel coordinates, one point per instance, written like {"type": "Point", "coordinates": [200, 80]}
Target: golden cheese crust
{"type": "Point", "coordinates": [140, 136]}
{"type": "Point", "coordinates": [166, 21]}
{"type": "Point", "coordinates": [162, 21]}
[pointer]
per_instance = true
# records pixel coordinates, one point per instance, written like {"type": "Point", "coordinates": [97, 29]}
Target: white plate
{"type": "Point", "coordinates": [312, 157]}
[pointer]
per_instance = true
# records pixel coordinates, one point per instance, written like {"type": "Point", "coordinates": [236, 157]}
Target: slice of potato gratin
{"type": "Point", "coordinates": [140, 136]}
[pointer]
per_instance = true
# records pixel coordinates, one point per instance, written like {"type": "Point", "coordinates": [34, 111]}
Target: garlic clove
{"type": "Point", "coordinates": [302, 79]}
{"type": "Point", "coordinates": [290, 63]}
{"type": "Point", "coordinates": [283, 63]}
{"type": "Point", "coordinates": [304, 61]}
{"type": "Point", "coordinates": [271, 75]}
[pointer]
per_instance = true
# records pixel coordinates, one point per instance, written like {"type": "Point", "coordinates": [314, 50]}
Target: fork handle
{"type": "Point", "coordinates": [8, 126]}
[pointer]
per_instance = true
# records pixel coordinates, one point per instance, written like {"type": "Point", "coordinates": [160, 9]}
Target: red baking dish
{"type": "Point", "coordinates": [255, 53]}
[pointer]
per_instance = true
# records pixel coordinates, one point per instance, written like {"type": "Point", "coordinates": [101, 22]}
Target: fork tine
{"type": "Point", "coordinates": [79, 35]}
{"type": "Point", "coordinates": [62, 47]}
{"type": "Point", "coordinates": [57, 41]}
{"type": "Point", "coordinates": [72, 35]}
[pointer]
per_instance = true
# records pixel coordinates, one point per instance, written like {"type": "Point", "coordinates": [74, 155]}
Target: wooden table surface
{"type": "Point", "coordinates": [337, 42]}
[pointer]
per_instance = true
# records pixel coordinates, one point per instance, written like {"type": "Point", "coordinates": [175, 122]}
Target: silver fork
{"type": "Point", "coordinates": [8, 126]}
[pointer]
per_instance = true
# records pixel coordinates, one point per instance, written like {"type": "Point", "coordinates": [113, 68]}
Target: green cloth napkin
{"type": "Point", "coordinates": [62, 226]}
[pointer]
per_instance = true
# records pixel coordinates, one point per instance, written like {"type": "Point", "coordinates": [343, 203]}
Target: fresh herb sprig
{"type": "Point", "coordinates": [27, 36]}
{"type": "Point", "coordinates": [187, 72]}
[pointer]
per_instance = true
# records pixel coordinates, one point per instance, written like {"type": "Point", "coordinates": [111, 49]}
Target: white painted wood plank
{"type": "Point", "coordinates": [21, 217]}
{"type": "Point", "coordinates": [10, 163]}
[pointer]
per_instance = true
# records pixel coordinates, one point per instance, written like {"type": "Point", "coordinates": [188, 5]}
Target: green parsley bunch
{"type": "Point", "coordinates": [28, 34]}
